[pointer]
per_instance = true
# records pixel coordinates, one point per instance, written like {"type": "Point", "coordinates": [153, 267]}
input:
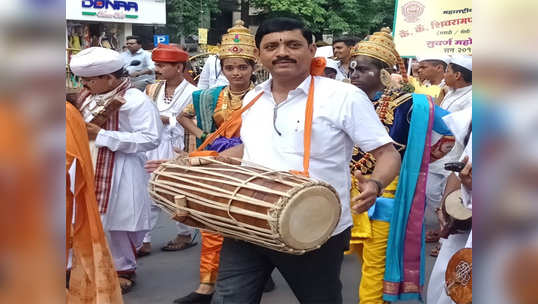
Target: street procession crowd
{"type": "Point", "coordinates": [390, 144]}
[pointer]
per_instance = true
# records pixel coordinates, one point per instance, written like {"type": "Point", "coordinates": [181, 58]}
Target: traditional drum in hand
{"type": "Point", "coordinates": [459, 277]}
{"type": "Point", "coordinates": [273, 209]}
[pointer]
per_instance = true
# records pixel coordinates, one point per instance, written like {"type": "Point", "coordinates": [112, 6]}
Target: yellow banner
{"type": "Point", "coordinates": [202, 36]}
{"type": "Point", "coordinates": [433, 27]}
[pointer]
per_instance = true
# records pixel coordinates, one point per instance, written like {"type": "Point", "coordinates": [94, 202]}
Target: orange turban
{"type": "Point", "coordinates": [168, 53]}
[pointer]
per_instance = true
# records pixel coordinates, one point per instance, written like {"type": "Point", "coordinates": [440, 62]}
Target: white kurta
{"type": "Point", "coordinates": [211, 75]}
{"type": "Point", "coordinates": [172, 134]}
{"type": "Point", "coordinates": [138, 132]}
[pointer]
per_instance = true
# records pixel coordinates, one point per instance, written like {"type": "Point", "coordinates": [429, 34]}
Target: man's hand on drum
{"type": "Point", "coordinates": [368, 194]}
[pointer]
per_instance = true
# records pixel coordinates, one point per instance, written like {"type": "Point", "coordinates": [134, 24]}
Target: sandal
{"type": "Point", "coordinates": [435, 250]}
{"type": "Point", "coordinates": [432, 236]}
{"type": "Point", "coordinates": [127, 281]}
{"type": "Point", "coordinates": [144, 250]}
{"type": "Point", "coordinates": [178, 244]}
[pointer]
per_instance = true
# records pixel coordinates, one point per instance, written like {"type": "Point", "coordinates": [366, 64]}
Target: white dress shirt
{"type": "Point", "coordinates": [211, 75]}
{"type": "Point", "coordinates": [343, 116]}
{"type": "Point", "coordinates": [138, 132]}
{"type": "Point", "coordinates": [172, 133]}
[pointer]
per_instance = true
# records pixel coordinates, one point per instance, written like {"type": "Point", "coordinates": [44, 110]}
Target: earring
{"type": "Point", "coordinates": [384, 77]}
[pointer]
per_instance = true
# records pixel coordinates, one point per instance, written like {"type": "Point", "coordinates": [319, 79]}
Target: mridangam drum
{"type": "Point", "coordinates": [459, 276]}
{"type": "Point", "coordinates": [273, 209]}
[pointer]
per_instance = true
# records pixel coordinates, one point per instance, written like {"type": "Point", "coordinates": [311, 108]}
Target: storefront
{"type": "Point", "coordinates": [106, 23]}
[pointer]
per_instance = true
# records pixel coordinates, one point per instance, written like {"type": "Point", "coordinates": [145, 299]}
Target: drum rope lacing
{"type": "Point", "coordinates": [206, 218]}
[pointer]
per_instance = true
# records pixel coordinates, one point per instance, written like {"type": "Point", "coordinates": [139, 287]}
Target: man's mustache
{"type": "Point", "coordinates": [285, 59]}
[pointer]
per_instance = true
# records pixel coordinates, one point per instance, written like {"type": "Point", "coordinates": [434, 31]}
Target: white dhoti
{"type": "Point", "coordinates": [123, 246]}
{"type": "Point", "coordinates": [436, 287]}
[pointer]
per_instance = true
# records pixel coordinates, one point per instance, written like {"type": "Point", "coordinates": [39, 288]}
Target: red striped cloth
{"type": "Point", "coordinates": [105, 167]}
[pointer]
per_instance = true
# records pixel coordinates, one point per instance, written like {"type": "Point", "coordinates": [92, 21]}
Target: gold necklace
{"type": "Point", "coordinates": [235, 99]}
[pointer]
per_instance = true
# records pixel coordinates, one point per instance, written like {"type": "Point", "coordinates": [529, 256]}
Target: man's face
{"type": "Point", "coordinates": [428, 70]}
{"type": "Point", "coordinates": [98, 84]}
{"type": "Point", "coordinates": [167, 70]}
{"type": "Point", "coordinates": [132, 45]}
{"type": "Point", "coordinates": [451, 77]}
{"type": "Point", "coordinates": [341, 50]}
{"type": "Point", "coordinates": [364, 74]}
{"type": "Point", "coordinates": [286, 54]}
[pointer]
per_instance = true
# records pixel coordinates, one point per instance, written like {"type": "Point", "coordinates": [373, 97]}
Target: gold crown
{"type": "Point", "coordinates": [238, 42]}
{"type": "Point", "coordinates": [379, 45]}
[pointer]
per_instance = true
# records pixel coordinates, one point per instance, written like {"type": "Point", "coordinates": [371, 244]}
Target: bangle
{"type": "Point", "coordinates": [203, 136]}
{"type": "Point", "coordinates": [379, 186]}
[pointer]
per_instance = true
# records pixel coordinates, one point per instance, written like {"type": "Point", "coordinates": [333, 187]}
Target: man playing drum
{"type": "Point", "coordinates": [273, 134]}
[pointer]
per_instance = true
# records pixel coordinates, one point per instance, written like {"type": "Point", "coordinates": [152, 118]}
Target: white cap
{"type": "Point", "coordinates": [439, 57]}
{"type": "Point", "coordinates": [332, 64]}
{"type": "Point", "coordinates": [96, 61]}
{"type": "Point", "coordinates": [465, 61]}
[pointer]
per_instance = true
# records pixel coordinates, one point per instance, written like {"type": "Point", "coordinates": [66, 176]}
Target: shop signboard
{"type": "Point", "coordinates": [122, 11]}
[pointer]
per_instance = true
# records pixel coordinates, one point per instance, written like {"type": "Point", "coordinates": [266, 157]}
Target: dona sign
{"type": "Point", "coordinates": [108, 4]}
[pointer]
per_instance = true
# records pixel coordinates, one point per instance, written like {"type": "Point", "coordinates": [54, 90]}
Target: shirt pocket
{"type": "Point", "coordinates": [292, 140]}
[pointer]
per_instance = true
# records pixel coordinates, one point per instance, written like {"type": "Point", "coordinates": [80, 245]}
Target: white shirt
{"type": "Point", "coordinates": [454, 101]}
{"type": "Point", "coordinates": [172, 133]}
{"type": "Point", "coordinates": [145, 63]}
{"type": "Point", "coordinates": [211, 75]}
{"type": "Point", "coordinates": [341, 74]}
{"type": "Point", "coordinates": [138, 132]}
{"type": "Point", "coordinates": [343, 116]}
{"type": "Point", "coordinates": [458, 99]}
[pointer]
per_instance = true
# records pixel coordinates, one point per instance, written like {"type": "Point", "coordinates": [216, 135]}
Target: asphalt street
{"type": "Point", "coordinates": [165, 276]}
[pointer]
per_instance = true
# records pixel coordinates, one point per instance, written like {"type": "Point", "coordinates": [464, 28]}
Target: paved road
{"type": "Point", "coordinates": [165, 276]}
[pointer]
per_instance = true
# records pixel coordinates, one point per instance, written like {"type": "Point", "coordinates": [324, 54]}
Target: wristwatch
{"type": "Point", "coordinates": [379, 186]}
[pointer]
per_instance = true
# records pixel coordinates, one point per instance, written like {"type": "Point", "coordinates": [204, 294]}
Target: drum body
{"type": "Point", "coordinates": [273, 209]}
{"type": "Point", "coordinates": [459, 277]}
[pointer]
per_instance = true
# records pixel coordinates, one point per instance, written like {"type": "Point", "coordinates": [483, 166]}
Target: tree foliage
{"type": "Point", "coordinates": [183, 16]}
{"type": "Point", "coordinates": [353, 17]}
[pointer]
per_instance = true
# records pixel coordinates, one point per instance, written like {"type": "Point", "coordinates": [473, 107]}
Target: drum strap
{"type": "Point", "coordinates": [318, 64]}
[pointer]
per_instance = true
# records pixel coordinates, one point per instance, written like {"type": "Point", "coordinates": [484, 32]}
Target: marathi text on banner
{"type": "Point", "coordinates": [433, 27]}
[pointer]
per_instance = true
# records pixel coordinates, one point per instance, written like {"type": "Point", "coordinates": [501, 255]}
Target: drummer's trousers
{"type": "Point", "coordinates": [209, 257]}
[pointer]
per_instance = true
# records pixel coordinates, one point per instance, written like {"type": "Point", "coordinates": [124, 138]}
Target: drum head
{"type": "Point", "coordinates": [455, 208]}
{"type": "Point", "coordinates": [310, 217]}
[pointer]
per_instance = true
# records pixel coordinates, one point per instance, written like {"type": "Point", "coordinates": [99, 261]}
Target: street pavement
{"type": "Point", "coordinates": [165, 276]}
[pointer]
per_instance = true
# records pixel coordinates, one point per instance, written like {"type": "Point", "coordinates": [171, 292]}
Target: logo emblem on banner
{"type": "Point", "coordinates": [412, 10]}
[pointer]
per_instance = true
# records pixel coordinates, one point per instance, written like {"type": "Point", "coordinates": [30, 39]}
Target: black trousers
{"type": "Point", "coordinates": [313, 277]}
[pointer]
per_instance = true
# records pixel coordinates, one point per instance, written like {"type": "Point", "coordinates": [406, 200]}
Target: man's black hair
{"type": "Point", "coordinates": [465, 73]}
{"type": "Point", "coordinates": [281, 24]}
{"type": "Point", "coordinates": [349, 41]}
{"type": "Point", "coordinates": [134, 37]}
{"type": "Point", "coordinates": [437, 62]}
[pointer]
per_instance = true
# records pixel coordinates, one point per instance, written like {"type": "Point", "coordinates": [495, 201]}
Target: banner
{"type": "Point", "coordinates": [433, 27]}
{"type": "Point", "coordinates": [202, 36]}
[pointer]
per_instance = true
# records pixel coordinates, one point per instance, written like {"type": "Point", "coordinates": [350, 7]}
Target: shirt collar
{"type": "Point", "coordinates": [266, 86]}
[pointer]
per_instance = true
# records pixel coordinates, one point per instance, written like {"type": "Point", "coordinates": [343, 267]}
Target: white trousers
{"type": "Point", "coordinates": [123, 246]}
{"type": "Point", "coordinates": [436, 287]}
{"type": "Point", "coordinates": [182, 229]}
{"type": "Point", "coordinates": [435, 187]}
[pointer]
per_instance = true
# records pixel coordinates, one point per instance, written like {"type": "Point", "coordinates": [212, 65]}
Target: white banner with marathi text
{"type": "Point", "coordinates": [433, 27]}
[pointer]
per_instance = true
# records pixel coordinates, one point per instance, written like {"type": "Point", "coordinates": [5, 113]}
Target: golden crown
{"type": "Point", "coordinates": [238, 42]}
{"type": "Point", "coordinates": [379, 45]}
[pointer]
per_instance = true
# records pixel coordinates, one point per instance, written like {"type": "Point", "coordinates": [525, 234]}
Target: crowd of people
{"type": "Point", "coordinates": [380, 137]}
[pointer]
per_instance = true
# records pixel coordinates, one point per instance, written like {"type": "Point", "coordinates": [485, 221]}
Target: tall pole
{"type": "Point", "coordinates": [181, 25]}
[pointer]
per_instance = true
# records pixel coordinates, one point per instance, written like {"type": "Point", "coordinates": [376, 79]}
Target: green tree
{"type": "Point", "coordinates": [184, 17]}
{"type": "Point", "coordinates": [354, 17]}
